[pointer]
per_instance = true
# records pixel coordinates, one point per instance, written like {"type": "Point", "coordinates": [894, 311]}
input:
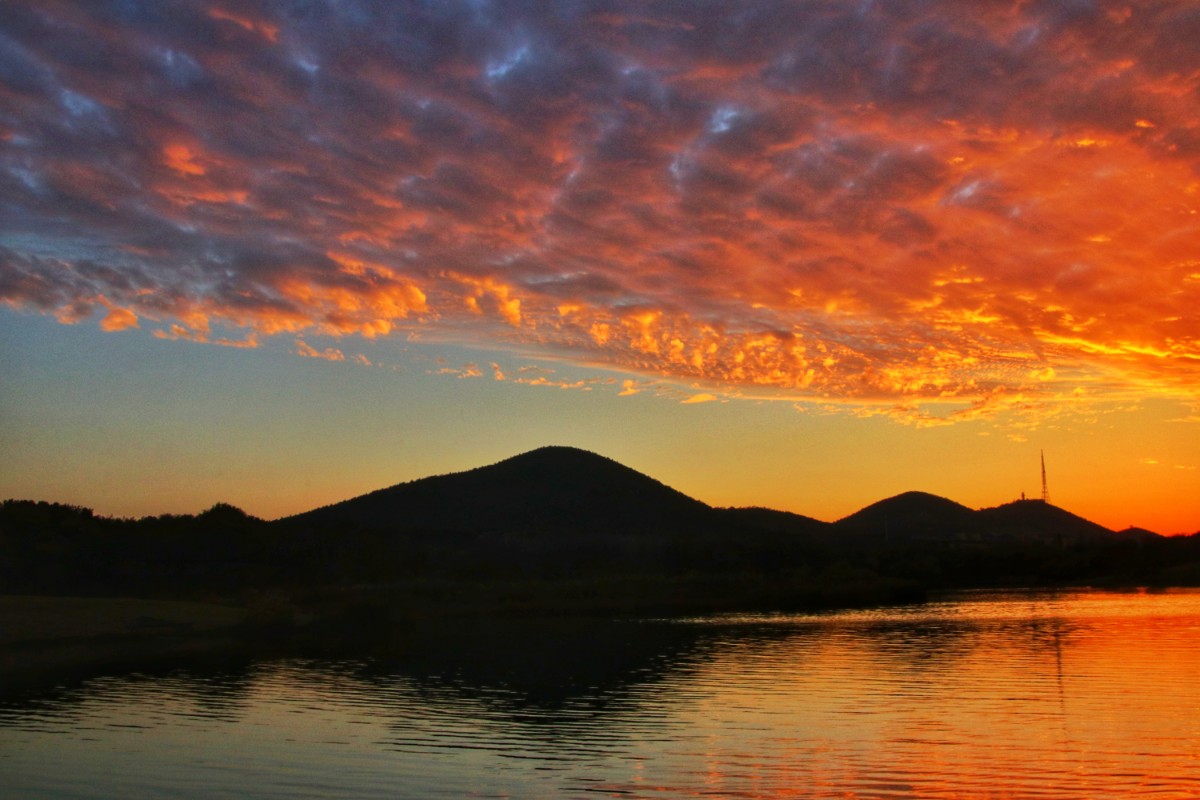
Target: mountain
{"type": "Point", "coordinates": [1036, 520]}
{"type": "Point", "coordinates": [908, 517]}
{"type": "Point", "coordinates": [574, 493]}
{"type": "Point", "coordinates": [770, 520]}
{"type": "Point", "coordinates": [915, 517]}
{"type": "Point", "coordinates": [591, 533]}
{"type": "Point", "coordinates": [561, 489]}
{"type": "Point", "coordinates": [1138, 534]}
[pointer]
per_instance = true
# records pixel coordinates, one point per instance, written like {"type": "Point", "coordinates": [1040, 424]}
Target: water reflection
{"type": "Point", "coordinates": [1014, 695]}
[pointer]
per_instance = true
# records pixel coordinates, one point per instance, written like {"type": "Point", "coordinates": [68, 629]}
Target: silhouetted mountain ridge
{"type": "Point", "coordinates": [551, 488]}
{"type": "Point", "coordinates": [768, 519]}
{"type": "Point", "coordinates": [570, 490]}
{"type": "Point", "coordinates": [911, 515]}
{"type": "Point", "coordinates": [1033, 519]}
{"type": "Point", "coordinates": [560, 527]}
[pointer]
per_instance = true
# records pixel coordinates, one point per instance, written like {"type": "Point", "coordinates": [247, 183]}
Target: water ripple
{"type": "Point", "coordinates": [1010, 695]}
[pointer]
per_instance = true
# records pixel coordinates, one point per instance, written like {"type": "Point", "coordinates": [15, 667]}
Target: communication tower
{"type": "Point", "coordinates": [1045, 490]}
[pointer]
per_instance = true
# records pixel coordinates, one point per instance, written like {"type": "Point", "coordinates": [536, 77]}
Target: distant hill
{"type": "Point", "coordinates": [1138, 534]}
{"type": "Point", "coordinates": [1035, 520]}
{"type": "Point", "coordinates": [553, 512]}
{"type": "Point", "coordinates": [908, 517]}
{"type": "Point", "coordinates": [566, 491]}
{"type": "Point", "coordinates": [768, 519]}
{"type": "Point", "coordinates": [562, 489]}
{"type": "Point", "coordinates": [915, 517]}
{"type": "Point", "coordinates": [560, 527]}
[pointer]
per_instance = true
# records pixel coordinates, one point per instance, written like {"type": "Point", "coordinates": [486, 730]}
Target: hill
{"type": "Point", "coordinates": [917, 517]}
{"type": "Point", "coordinates": [552, 513]}
{"type": "Point", "coordinates": [768, 519]}
{"type": "Point", "coordinates": [562, 528]}
{"type": "Point", "coordinates": [912, 516]}
{"type": "Point", "coordinates": [559, 489]}
{"type": "Point", "coordinates": [1036, 520]}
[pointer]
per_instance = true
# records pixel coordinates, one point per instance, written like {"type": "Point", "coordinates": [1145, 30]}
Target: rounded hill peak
{"type": "Point", "coordinates": [551, 488]}
{"type": "Point", "coordinates": [911, 515]}
{"type": "Point", "coordinates": [557, 453]}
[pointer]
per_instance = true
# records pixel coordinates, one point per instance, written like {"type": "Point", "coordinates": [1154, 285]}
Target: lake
{"type": "Point", "coordinates": [983, 695]}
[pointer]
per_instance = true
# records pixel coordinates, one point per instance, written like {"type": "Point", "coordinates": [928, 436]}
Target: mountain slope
{"type": "Point", "coordinates": [770, 520]}
{"type": "Point", "coordinates": [907, 517]}
{"type": "Point", "coordinates": [1035, 520]}
{"type": "Point", "coordinates": [580, 494]}
{"type": "Point", "coordinates": [549, 489]}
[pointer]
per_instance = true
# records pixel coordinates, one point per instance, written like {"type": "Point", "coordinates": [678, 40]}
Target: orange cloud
{"type": "Point", "coordinates": [267, 30]}
{"type": "Point", "coordinates": [328, 354]}
{"type": "Point", "coordinates": [180, 158]}
{"type": "Point", "coordinates": [490, 294]}
{"type": "Point", "coordinates": [927, 210]}
{"type": "Point", "coordinates": [177, 332]}
{"type": "Point", "coordinates": [585, 385]}
{"type": "Point", "coordinates": [119, 319]}
{"type": "Point", "coordinates": [629, 388]}
{"type": "Point", "coordinates": [702, 397]}
{"type": "Point", "coordinates": [248, 342]}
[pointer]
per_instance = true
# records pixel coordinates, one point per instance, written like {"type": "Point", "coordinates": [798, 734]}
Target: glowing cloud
{"type": "Point", "coordinates": [880, 206]}
{"type": "Point", "coordinates": [119, 319]}
{"type": "Point", "coordinates": [703, 397]}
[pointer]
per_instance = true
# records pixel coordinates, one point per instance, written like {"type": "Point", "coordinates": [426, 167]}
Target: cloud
{"type": "Point", "coordinates": [880, 206]}
{"type": "Point", "coordinates": [268, 31]}
{"type": "Point", "coordinates": [702, 397]}
{"type": "Point", "coordinates": [471, 370]}
{"type": "Point", "coordinates": [328, 354]}
{"type": "Point", "coordinates": [119, 319]}
{"type": "Point", "coordinates": [248, 342]}
{"type": "Point", "coordinates": [582, 384]}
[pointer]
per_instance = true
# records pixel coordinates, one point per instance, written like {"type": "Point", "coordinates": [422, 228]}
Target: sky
{"type": "Point", "coordinates": [803, 255]}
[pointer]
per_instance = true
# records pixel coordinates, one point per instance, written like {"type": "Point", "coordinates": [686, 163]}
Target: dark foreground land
{"type": "Point", "coordinates": [556, 531]}
{"type": "Point", "coordinates": [41, 636]}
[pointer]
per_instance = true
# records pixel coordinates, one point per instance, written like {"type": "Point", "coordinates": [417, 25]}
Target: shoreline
{"type": "Point", "coordinates": [45, 640]}
{"type": "Point", "coordinates": [44, 636]}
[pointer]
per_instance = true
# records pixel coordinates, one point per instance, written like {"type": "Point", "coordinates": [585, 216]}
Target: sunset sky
{"type": "Point", "coordinates": [804, 255]}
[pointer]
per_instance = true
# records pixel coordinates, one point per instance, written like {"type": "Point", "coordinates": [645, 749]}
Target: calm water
{"type": "Point", "coordinates": [1080, 695]}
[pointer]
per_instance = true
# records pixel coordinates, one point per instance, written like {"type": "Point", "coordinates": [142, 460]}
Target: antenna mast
{"type": "Point", "coordinates": [1045, 490]}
